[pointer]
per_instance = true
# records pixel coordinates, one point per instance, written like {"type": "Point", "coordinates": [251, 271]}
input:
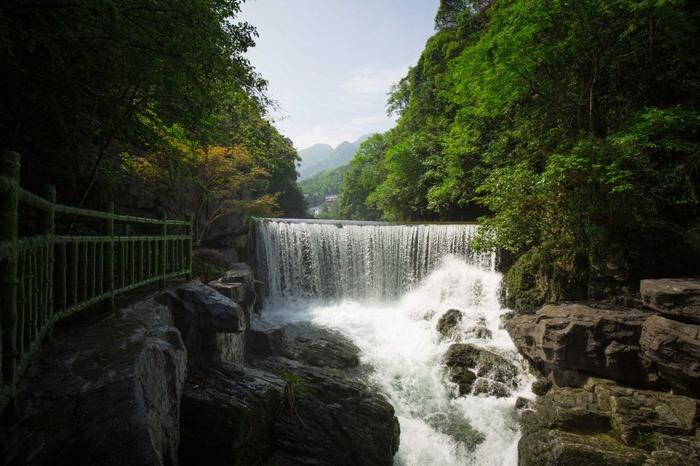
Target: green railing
{"type": "Point", "coordinates": [49, 273]}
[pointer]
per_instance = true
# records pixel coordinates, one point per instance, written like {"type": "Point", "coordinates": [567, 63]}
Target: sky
{"type": "Point", "coordinates": [330, 63]}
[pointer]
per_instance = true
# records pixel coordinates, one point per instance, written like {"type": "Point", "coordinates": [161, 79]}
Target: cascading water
{"type": "Point", "coordinates": [385, 287]}
{"type": "Point", "coordinates": [360, 259]}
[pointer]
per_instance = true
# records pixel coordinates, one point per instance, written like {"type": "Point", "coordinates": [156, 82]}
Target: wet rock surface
{"type": "Point", "coordinates": [327, 418]}
{"type": "Point", "coordinates": [96, 389]}
{"type": "Point", "coordinates": [302, 401]}
{"type": "Point", "coordinates": [448, 322]}
{"type": "Point", "coordinates": [609, 424]}
{"type": "Point", "coordinates": [320, 347]}
{"type": "Point", "coordinates": [479, 371]}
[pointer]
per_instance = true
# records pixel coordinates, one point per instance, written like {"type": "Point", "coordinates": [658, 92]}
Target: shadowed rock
{"type": "Point", "coordinates": [228, 414]}
{"type": "Point", "coordinates": [675, 298]}
{"type": "Point", "coordinates": [568, 341]}
{"type": "Point", "coordinates": [674, 350]}
{"type": "Point", "coordinates": [106, 393]}
{"type": "Point", "coordinates": [302, 403]}
{"type": "Point", "coordinates": [211, 324]}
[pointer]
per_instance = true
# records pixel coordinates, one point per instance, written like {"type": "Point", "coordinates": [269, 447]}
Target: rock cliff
{"type": "Point", "coordinates": [626, 381]}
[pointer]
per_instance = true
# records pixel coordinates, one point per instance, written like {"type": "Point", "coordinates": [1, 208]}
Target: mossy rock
{"type": "Point", "coordinates": [448, 321]}
{"type": "Point", "coordinates": [538, 277]}
{"type": "Point", "coordinates": [467, 363]}
{"type": "Point", "coordinates": [451, 423]}
{"type": "Point", "coordinates": [490, 388]}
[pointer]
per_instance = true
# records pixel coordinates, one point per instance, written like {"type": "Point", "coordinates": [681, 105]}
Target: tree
{"type": "Point", "coordinates": [448, 12]}
{"type": "Point", "coordinates": [364, 174]}
{"type": "Point", "coordinates": [579, 142]}
{"type": "Point", "coordinates": [207, 183]}
{"type": "Point", "coordinates": [77, 75]}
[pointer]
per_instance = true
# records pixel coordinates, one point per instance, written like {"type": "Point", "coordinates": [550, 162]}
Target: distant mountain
{"type": "Point", "coordinates": [321, 157]}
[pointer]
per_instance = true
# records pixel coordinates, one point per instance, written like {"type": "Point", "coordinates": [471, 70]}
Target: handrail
{"type": "Point", "coordinates": [48, 276]}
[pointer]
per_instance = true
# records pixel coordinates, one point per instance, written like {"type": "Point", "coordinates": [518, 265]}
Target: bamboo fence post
{"type": "Point", "coordinates": [61, 290]}
{"type": "Point", "coordinates": [109, 259]}
{"type": "Point", "coordinates": [9, 215]}
{"type": "Point", "coordinates": [163, 250]}
{"type": "Point", "coordinates": [48, 227]}
{"type": "Point", "coordinates": [190, 231]}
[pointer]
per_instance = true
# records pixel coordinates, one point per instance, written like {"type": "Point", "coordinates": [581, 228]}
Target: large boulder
{"type": "Point", "coordinates": [674, 350]}
{"type": "Point", "coordinates": [302, 402]}
{"type": "Point", "coordinates": [328, 418]}
{"type": "Point", "coordinates": [238, 284]}
{"type": "Point", "coordinates": [104, 393]}
{"type": "Point", "coordinates": [479, 371]}
{"type": "Point", "coordinates": [212, 325]}
{"type": "Point", "coordinates": [567, 342]}
{"type": "Point", "coordinates": [228, 414]}
{"type": "Point", "coordinates": [318, 346]}
{"type": "Point", "coordinates": [610, 424]}
{"type": "Point", "coordinates": [675, 298]}
{"type": "Point", "coordinates": [327, 415]}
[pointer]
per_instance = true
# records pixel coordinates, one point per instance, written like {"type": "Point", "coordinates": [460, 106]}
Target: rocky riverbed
{"type": "Point", "coordinates": [191, 375]}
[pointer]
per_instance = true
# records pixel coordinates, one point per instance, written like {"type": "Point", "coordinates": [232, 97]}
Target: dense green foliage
{"type": "Point", "coordinates": [574, 126]}
{"type": "Point", "coordinates": [322, 184]}
{"type": "Point", "coordinates": [86, 81]}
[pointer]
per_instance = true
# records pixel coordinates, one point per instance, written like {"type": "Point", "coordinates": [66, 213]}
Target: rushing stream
{"type": "Point", "coordinates": [385, 287]}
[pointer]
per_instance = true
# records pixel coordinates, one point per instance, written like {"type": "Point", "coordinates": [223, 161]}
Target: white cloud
{"type": "Point", "coordinates": [362, 91]}
{"type": "Point", "coordinates": [364, 84]}
{"type": "Point", "coordinates": [336, 133]}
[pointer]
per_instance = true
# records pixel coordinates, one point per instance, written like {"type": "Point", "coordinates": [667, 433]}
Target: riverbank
{"type": "Point", "coordinates": [182, 378]}
{"type": "Point", "coordinates": [620, 385]}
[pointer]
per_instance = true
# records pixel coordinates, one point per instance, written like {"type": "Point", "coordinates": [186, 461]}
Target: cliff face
{"type": "Point", "coordinates": [626, 381]}
{"type": "Point", "coordinates": [105, 393]}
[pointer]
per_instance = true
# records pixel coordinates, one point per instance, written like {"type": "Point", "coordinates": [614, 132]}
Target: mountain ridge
{"type": "Point", "coordinates": [319, 157]}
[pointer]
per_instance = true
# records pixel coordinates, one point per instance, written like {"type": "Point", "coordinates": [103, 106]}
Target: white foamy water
{"type": "Point", "coordinates": [398, 339]}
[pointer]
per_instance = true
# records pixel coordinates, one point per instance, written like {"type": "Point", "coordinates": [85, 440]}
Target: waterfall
{"type": "Point", "coordinates": [386, 287]}
{"type": "Point", "coordinates": [366, 260]}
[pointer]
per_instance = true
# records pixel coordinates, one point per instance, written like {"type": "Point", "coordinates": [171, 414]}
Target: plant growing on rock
{"type": "Point", "coordinates": [294, 387]}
